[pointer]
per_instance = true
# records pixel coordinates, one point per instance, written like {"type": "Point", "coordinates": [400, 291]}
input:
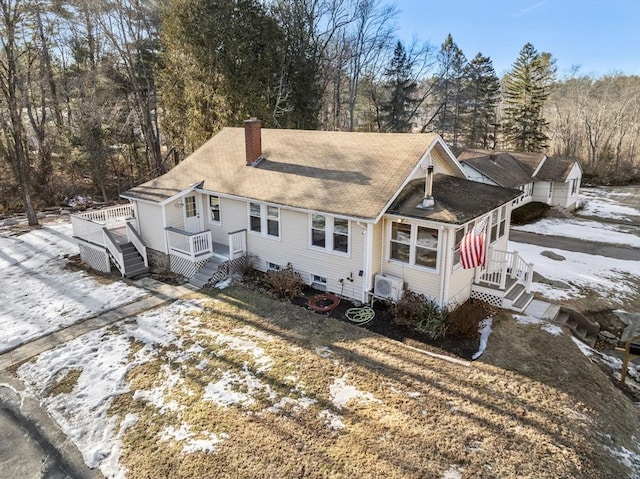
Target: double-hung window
{"type": "Point", "coordinates": [414, 244]}
{"type": "Point", "coordinates": [460, 232]}
{"type": "Point", "coordinates": [264, 219]}
{"type": "Point", "coordinates": [498, 223]}
{"type": "Point", "coordinates": [330, 233]}
{"type": "Point", "coordinates": [214, 209]}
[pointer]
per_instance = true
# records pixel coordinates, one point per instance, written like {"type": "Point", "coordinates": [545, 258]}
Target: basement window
{"type": "Point", "coordinates": [272, 266]}
{"type": "Point", "coordinates": [318, 282]}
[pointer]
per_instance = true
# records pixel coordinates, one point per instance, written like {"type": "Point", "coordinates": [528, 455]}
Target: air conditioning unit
{"type": "Point", "coordinates": [388, 287]}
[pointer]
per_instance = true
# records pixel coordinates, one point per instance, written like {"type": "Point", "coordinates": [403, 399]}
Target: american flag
{"type": "Point", "coordinates": [472, 252]}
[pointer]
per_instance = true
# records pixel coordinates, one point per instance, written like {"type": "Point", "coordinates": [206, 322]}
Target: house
{"type": "Point", "coordinates": [363, 215]}
{"type": "Point", "coordinates": [551, 180]}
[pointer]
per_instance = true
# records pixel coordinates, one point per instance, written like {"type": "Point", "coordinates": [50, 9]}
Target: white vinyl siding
{"type": "Point", "coordinates": [151, 227]}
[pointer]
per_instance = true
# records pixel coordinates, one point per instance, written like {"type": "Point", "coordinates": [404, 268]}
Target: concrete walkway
{"type": "Point", "coordinates": [577, 245]}
{"type": "Point", "coordinates": [160, 293]}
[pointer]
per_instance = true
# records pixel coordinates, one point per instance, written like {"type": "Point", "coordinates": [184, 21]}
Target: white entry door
{"type": "Point", "coordinates": [191, 215]}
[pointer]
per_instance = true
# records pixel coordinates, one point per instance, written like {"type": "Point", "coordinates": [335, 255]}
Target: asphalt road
{"type": "Point", "coordinates": [32, 446]}
{"type": "Point", "coordinates": [577, 245]}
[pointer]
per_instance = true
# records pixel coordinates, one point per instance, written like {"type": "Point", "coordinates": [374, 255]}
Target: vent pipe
{"type": "Point", "coordinates": [428, 201]}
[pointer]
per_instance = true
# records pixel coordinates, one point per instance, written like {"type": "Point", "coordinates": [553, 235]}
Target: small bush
{"type": "Point", "coordinates": [422, 314]}
{"type": "Point", "coordinates": [286, 283]}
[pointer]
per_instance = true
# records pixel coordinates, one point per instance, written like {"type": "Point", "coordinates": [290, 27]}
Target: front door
{"type": "Point", "coordinates": [191, 215]}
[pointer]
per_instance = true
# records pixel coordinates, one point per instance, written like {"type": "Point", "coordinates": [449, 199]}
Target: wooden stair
{"type": "Point", "coordinates": [207, 271]}
{"type": "Point", "coordinates": [134, 266]}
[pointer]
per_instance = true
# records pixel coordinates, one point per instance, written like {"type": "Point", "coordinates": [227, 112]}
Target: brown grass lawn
{"type": "Point", "coordinates": [533, 406]}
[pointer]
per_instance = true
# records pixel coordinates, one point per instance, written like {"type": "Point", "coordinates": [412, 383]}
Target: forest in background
{"type": "Point", "coordinates": [99, 95]}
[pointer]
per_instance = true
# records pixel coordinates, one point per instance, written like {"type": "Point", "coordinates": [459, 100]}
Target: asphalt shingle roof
{"type": "Point", "coordinates": [457, 200]}
{"type": "Point", "coordinates": [354, 174]}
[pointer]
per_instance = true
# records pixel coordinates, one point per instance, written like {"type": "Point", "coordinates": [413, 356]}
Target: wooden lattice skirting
{"type": "Point", "coordinates": [96, 257]}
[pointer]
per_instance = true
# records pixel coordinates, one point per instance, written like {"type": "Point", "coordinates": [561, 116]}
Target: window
{"type": "Point", "coordinates": [330, 233]}
{"type": "Point", "coordinates": [400, 241]}
{"type": "Point", "coordinates": [272, 266]}
{"type": "Point", "coordinates": [214, 208]}
{"type": "Point", "coordinates": [190, 206]}
{"type": "Point", "coordinates": [319, 282]}
{"type": "Point", "coordinates": [255, 220]}
{"type": "Point", "coordinates": [340, 235]}
{"type": "Point", "coordinates": [414, 245]}
{"type": "Point", "coordinates": [264, 219]}
{"type": "Point", "coordinates": [574, 186]}
{"type": "Point", "coordinates": [318, 231]}
{"type": "Point", "coordinates": [460, 232]}
{"type": "Point", "coordinates": [273, 221]}
{"type": "Point", "coordinates": [498, 223]}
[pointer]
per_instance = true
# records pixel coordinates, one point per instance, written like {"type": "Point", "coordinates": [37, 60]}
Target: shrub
{"type": "Point", "coordinates": [529, 213]}
{"type": "Point", "coordinates": [286, 283]}
{"type": "Point", "coordinates": [422, 314]}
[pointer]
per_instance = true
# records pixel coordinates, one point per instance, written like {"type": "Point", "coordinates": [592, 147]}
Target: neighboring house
{"type": "Point", "coordinates": [550, 180]}
{"type": "Point", "coordinates": [363, 215]}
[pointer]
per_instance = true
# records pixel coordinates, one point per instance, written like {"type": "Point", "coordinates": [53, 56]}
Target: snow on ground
{"type": "Point", "coordinates": [610, 203]}
{"type": "Point", "coordinates": [578, 271]}
{"type": "Point", "coordinates": [103, 359]}
{"type": "Point", "coordinates": [39, 296]}
{"type": "Point", "coordinates": [484, 328]}
{"type": "Point", "coordinates": [585, 229]}
{"type": "Point", "coordinates": [544, 325]}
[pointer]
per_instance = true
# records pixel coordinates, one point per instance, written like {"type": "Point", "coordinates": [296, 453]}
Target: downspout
{"type": "Point", "coordinates": [164, 229]}
{"type": "Point", "coordinates": [365, 263]}
{"type": "Point", "coordinates": [444, 279]}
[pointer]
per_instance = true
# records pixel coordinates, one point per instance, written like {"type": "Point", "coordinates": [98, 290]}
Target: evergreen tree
{"type": "Point", "coordinates": [526, 88]}
{"type": "Point", "coordinates": [397, 109]}
{"type": "Point", "coordinates": [450, 91]}
{"type": "Point", "coordinates": [483, 88]}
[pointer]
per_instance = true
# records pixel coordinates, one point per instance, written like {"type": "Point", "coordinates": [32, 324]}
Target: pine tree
{"type": "Point", "coordinates": [450, 91]}
{"type": "Point", "coordinates": [526, 88]}
{"type": "Point", "coordinates": [397, 109]}
{"type": "Point", "coordinates": [483, 88]}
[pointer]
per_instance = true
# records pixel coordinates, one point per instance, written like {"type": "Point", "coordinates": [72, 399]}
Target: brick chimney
{"type": "Point", "coordinates": [253, 140]}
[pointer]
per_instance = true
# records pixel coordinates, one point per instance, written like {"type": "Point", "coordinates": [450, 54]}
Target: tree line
{"type": "Point", "coordinates": [99, 95]}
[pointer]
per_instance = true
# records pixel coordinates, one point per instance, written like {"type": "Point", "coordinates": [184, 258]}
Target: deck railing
{"type": "Point", "coordinates": [114, 250]}
{"type": "Point", "coordinates": [192, 246]}
{"type": "Point", "coordinates": [135, 239]}
{"type": "Point", "coordinates": [237, 244]}
{"type": "Point", "coordinates": [88, 224]}
{"type": "Point", "coordinates": [109, 216]}
{"type": "Point", "coordinates": [501, 264]}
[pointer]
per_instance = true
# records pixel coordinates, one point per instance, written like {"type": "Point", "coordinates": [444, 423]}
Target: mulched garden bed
{"type": "Point", "coordinates": [383, 324]}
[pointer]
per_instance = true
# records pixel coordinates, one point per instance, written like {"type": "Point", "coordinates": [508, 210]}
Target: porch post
{"type": "Point", "coordinates": [529, 278]}
{"type": "Point", "coordinates": [514, 263]}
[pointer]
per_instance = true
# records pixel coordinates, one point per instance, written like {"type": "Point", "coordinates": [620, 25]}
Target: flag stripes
{"type": "Point", "coordinates": [472, 251]}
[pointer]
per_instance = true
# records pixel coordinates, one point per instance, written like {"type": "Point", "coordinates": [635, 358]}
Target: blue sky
{"type": "Point", "coordinates": [601, 36]}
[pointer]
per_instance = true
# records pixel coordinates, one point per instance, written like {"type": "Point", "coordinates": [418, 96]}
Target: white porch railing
{"type": "Point", "coordinates": [192, 246]}
{"type": "Point", "coordinates": [109, 217]}
{"type": "Point", "coordinates": [237, 244]}
{"type": "Point", "coordinates": [114, 249]}
{"type": "Point", "coordinates": [136, 241]}
{"type": "Point", "coordinates": [88, 225]}
{"type": "Point", "coordinates": [501, 264]}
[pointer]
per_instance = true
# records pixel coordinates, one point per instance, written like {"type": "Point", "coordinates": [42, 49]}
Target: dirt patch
{"type": "Point", "coordinates": [460, 345]}
{"type": "Point", "coordinates": [64, 383]}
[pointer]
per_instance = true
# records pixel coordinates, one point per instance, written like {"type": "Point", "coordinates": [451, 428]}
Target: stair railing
{"type": "Point", "coordinates": [114, 250]}
{"type": "Point", "coordinates": [136, 241]}
{"type": "Point", "coordinates": [237, 244]}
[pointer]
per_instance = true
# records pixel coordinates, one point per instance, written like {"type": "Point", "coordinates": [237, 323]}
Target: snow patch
{"type": "Point", "coordinates": [228, 391]}
{"type": "Point", "coordinates": [454, 472]}
{"type": "Point", "coordinates": [341, 393]}
{"type": "Point", "coordinates": [485, 332]}
{"type": "Point", "coordinates": [184, 434]}
{"type": "Point", "coordinates": [332, 420]}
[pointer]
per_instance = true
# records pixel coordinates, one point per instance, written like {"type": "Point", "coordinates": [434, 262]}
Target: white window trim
{"type": "Point", "coordinates": [263, 221]}
{"type": "Point", "coordinates": [501, 217]}
{"type": "Point", "coordinates": [328, 236]}
{"type": "Point", "coordinates": [465, 230]}
{"type": "Point", "coordinates": [211, 220]}
{"type": "Point", "coordinates": [412, 248]}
